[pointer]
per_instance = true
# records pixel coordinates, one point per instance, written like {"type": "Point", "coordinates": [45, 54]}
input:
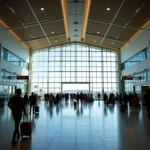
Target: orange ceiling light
{"type": "Point", "coordinates": [66, 20]}
{"type": "Point", "coordinates": [85, 18]}
{"type": "Point", "coordinates": [14, 34]}
{"type": "Point", "coordinates": [136, 33]}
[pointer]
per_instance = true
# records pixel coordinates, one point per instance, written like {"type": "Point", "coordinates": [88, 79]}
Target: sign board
{"type": "Point", "coordinates": [22, 77]}
{"type": "Point", "coordinates": [127, 77]}
{"type": "Point", "coordinates": [131, 78]}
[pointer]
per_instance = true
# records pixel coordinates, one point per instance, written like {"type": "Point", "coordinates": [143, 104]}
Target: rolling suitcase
{"type": "Point", "coordinates": [36, 109]}
{"type": "Point", "coordinates": [26, 128]}
{"type": "Point", "coordinates": [75, 103]}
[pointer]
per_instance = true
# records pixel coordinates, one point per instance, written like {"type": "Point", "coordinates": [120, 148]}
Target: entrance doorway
{"type": "Point", "coordinates": [69, 87]}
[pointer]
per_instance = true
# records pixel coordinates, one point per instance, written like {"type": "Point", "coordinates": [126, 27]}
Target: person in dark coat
{"type": "Point", "coordinates": [26, 99]}
{"type": "Point", "coordinates": [125, 100]}
{"type": "Point", "coordinates": [17, 105]}
{"type": "Point", "coordinates": [99, 95]}
{"type": "Point", "coordinates": [147, 102]}
{"type": "Point", "coordinates": [105, 98]}
{"type": "Point", "coordinates": [32, 101]}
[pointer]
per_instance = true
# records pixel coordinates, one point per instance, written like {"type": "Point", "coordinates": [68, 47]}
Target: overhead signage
{"type": "Point", "coordinates": [22, 77]}
{"type": "Point", "coordinates": [16, 77]}
{"type": "Point", "coordinates": [131, 78]}
{"type": "Point", "coordinates": [127, 77]}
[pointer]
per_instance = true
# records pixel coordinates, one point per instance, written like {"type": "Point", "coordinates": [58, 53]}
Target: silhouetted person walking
{"type": "Point", "coordinates": [26, 99]}
{"type": "Point", "coordinates": [147, 101]}
{"type": "Point", "coordinates": [32, 101]}
{"type": "Point", "coordinates": [99, 95]}
{"type": "Point", "coordinates": [16, 104]}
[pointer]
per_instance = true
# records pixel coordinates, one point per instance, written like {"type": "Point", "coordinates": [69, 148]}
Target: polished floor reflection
{"type": "Point", "coordinates": [90, 127]}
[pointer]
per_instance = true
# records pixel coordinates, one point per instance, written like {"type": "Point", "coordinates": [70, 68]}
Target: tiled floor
{"type": "Point", "coordinates": [90, 127]}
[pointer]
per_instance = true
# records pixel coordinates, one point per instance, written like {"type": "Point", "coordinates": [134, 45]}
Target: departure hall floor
{"type": "Point", "coordinates": [90, 127]}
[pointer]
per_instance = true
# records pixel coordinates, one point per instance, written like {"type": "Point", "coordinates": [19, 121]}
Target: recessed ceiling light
{"type": "Point", "coordinates": [42, 9]}
{"type": "Point", "coordinates": [97, 32]}
{"type": "Point", "coordinates": [75, 22]}
{"type": "Point", "coordinates": [108, 9]}
{"type": "Point", "coordinates": [53, 32]}
{"type": "Point", "coordinates": [94, 41]}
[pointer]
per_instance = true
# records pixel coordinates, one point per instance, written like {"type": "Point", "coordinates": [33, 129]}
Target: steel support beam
{"type": "Point", "coordinates": [43, 37]}
{"type": "Point", "coordinates": [38, 21]}
{"type": "Point", "coordinates": [34, 24]}
{"type": "Point", "coordinates": [108, 38]}
{"type": "Point", "coordinates": [114, 24]}
{"type": "Point", "coordinates": [123, 1]}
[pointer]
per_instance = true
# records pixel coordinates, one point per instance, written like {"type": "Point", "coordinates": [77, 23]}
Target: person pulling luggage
{"type": "Point", "coordinates": [17, 105]}
{"type": "Point", "coordinates": [32, 102]}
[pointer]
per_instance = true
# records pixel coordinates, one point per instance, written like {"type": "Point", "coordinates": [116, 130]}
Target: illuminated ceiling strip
{"type": "Point", "coordinates": [85, 18]}
{"type": "Point", "coordinates": [14, 34]}
{"type": "Point", "coordinates": [66, 20]}
{"type": "Point", "coordinates": [136, 33]}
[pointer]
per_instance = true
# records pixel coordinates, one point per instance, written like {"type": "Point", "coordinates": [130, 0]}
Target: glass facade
{"type": "Point", "coordinates": [74, 63]}
{"type": "Point", "coordinates": [5, 76]}
{"type": "Point", "coordinates": [139, 57]}
{"type": "Point", "coordinates": [12, 58]}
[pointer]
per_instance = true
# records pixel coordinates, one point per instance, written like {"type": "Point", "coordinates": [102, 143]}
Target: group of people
{"type": "Point", "coordinates": [73, 96]}
{"type": "Point", "coordinates": [131, 99]}
{"type": "Point", "coordinates": [18, 104]}
{"type": "Point", "coordinates": [128, 100]}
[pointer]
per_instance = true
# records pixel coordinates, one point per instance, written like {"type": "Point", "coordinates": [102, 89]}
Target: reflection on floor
{"type": "Point", "coordinates": [90, 127]}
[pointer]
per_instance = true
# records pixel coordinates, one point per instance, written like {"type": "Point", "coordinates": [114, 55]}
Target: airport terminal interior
{"type": "Point", "coordinates": [85, 64]}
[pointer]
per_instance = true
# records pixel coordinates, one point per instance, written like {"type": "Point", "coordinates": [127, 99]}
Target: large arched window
{"type": "Point", "coordinates": [74, 63]}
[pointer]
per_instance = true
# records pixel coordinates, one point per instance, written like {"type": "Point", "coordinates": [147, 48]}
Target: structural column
{"type": "Point", "coordinates": [119, 72]}
{"type": "Point", "coordinates": [30, 71]}
{"type": "Point", "coordinates": [0, 61]}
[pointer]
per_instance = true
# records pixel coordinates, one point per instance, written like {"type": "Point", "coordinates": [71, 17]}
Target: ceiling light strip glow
{"type": "Point", "coordinates": [14, 34]}
{"type": "Point", "coordinates": [136, 33]}
{"type": "Point", "coordinates": [66, 20]}
{"type": "Point", "coordinates": [85, 18]}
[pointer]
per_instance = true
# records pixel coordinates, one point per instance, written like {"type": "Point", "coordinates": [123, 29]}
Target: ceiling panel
{"type": "Point", "coordinates": [120, 33]}
{"type": "Point", "coordinates": [59, 27]}
{"type": "Point", "coordinates": [98, 9]}
{"type": "Point", "coordinates": [26, 34]}
{"type": "Point", "coordinates": [52, 9]}
{"type": "Point", "coordinates": [127, 22]}
{"type": "Point", "coordinates": [94, 27]}
{"type": "Point", "coordinates": [91, 39]}
{"type": "Point", "coordinates": [41, 43]}
{"type": "Point", "coordinates": [58, 39]}
{"type": "Point", "coordinates": [112, 44]}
